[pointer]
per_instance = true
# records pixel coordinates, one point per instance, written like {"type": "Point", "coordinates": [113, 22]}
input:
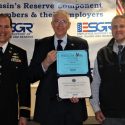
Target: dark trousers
{"type": "Point", "coordinates": [114, 121]}
{"type": "Point", "coordinates": [61, 114]}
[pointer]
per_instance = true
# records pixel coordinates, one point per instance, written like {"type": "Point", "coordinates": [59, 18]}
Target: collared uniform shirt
{"type": "Point", "coordinates": [4, 47]}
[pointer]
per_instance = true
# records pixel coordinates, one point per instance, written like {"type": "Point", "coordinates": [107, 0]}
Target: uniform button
{"type": "Point", "coordinates": [0, 66]}
{"type": "Point", "coordinates": [0, 73]}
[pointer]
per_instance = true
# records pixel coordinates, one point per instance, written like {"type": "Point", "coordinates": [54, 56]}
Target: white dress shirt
{"type": "Point", "coordinates": [63, 43]}
{"type": "Point", "coordinates": [4, 47]}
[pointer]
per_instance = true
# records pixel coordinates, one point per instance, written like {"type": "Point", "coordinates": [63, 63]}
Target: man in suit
{"type": "Point", "coordinates": [14, 87]}
{"type": "Point", "coordinates": [49, 108]}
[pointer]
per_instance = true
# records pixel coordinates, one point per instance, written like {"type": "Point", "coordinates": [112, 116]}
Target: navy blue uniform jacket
{"type": "Point", "coordinates": [14, 87]}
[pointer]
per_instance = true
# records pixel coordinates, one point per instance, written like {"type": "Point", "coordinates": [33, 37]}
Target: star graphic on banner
{"type": "Point", "coordinates": [79, 27]}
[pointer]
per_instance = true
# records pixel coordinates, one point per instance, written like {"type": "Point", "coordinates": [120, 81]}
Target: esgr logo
{"type": "Point", "coordinates": [93, 26]}
{"type": "Point", "coordinates": [22, 27]}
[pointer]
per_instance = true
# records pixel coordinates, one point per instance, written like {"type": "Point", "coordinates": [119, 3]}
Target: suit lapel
{"type": "Point", "coordinates": [7, 60]}
{"type": "Point", "coordinates": [70, 44]}
{"type": "Point", "coordinates": [51, 44]}
{"type": "Point", "coordinates": [51, 47]}
{"type": "Point", "coordinates": [8, 52]}
{"type": "Point", "coordinates": [11, 56]}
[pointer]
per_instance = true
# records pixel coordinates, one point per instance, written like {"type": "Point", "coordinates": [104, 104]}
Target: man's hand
{"type": "Point", "coordinates": [74, 100]}
{"type": "Point", "coordinates": [22, 121]}
{"type": "Point", "coordinates": [99, 116]}
{"type": "Point", "coordinates": [50, 58]}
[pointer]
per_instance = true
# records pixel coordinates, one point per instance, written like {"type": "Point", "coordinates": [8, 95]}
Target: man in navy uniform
{"type": "Point", "coordinates": [14, 86]}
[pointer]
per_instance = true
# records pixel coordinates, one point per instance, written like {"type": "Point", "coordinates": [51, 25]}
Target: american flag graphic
{"type": "Point", "coordinates": [82, 27]}
{"type": "Point", "coordinates": [120, 9]}
{"type": "Point", "coordinates": [79, 27]}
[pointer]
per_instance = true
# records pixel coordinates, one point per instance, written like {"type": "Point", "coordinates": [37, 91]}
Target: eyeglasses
{"type": "Point", "coordinates": [63, 22]}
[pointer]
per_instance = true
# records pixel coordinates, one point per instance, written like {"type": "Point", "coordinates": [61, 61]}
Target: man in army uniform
{"type": "Point", "coordinates": [14, 86]}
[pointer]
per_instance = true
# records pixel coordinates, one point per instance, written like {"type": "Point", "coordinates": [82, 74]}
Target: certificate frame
{"type": "Point", "coordinates": [72, 62]}
{"type": "Point", "coordinates": [76, 86]}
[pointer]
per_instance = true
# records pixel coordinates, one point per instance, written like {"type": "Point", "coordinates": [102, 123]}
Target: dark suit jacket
{"type": "Point", "coordinates": [13, 84]}
{"type": "Point", "coordinates": [48, 86]}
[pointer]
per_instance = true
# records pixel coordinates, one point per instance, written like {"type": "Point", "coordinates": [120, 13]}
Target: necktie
{"type": "Point", "coordinates": [1, 53]}
{"type": "Point", "coordinates": [1, 50]}
{"type": "Point", "coordinates": [120, 47]}
{"type": "Point", "coordinates": [59, 47]}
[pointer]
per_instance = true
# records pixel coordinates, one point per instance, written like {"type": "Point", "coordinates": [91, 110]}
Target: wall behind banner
{"type": "Point", "coordinates": [90, 19]}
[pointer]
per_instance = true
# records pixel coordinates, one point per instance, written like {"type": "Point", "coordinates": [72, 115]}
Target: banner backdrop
{"type": "Point", "coordinates": [90, 19]}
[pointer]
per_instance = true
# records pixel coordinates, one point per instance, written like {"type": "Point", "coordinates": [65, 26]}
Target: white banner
{"type": "Point", "coordinates": [90, 19]}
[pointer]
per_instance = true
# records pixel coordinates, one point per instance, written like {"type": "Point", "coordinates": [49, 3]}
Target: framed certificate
{"type": "Point", "coordinates": [76, 86]}
{"type": "Point", "coordinates": [72, 62]}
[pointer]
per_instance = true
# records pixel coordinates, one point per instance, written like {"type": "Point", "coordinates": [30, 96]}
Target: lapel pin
{"type": "Point", "coordinates": [15, 54]}
{"type": "Point", "coordinates": [10, 51]}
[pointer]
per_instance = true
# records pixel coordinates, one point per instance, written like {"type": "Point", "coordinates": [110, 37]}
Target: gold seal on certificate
{"type": "Point", "coordinates": [72, 68]}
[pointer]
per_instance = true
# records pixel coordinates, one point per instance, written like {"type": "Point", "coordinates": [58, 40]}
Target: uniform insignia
{"type": "Point", "coordinates": [15, 54]}
{"type": "Point", "coordinates": [15, 58]}
{"type": "Point", "coordinates": [10, 51]}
